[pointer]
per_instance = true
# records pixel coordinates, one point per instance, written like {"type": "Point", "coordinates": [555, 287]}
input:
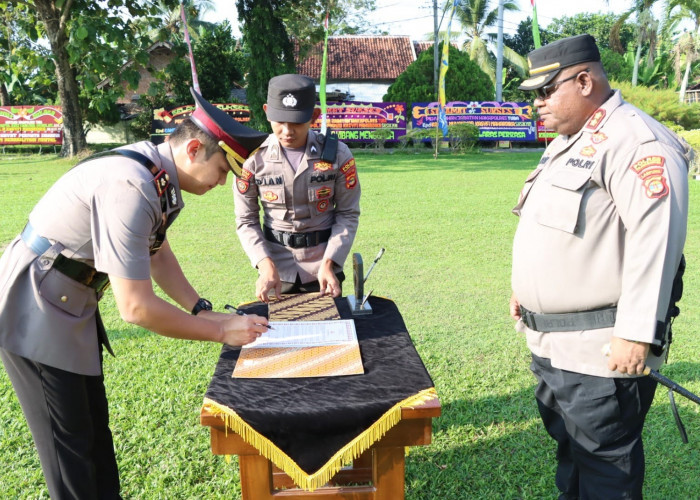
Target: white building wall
{"type": "Point", "coordinates": [362, 91]}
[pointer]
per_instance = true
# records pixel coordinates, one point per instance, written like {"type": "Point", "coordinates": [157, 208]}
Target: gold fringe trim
{"type": "Point", "coordinates": [344, 456]}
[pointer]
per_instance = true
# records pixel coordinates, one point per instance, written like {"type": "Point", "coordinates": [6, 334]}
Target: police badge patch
{"type": "Point", "coordinates": [650, 170]}
{"type": "Point", "coordinates": [246, 174]}
{"type": "Point", "coordinates": [322, 205]}
{"type": "Point", "coordinates": [588, 151]}
{"type": "Point", "coordinates": [269, 196]}
{"type": "Point", "coordinates": [322, 166]}
{"type": "Point", "coordinates": [323, 192]}
{"type": "Point", "coordinates": [598, 137]}
{"type": "Point", "coordinates": [289, 101]}
{"type": "Point", "coordinates": [242, 186]}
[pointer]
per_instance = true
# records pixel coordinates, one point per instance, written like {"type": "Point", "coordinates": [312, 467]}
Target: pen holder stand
{"type": "Point", "coordinates": [358, 302]}
{"type": "Point", "coordinates": [357, 307]}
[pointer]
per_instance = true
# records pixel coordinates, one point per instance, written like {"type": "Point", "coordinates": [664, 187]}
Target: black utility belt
{"type": "Point", "coordinates": [569, 322]}
{"type": "Point", "coordinates": [73, 269]}
{"type": "Point", "coordinates": [297, 240]}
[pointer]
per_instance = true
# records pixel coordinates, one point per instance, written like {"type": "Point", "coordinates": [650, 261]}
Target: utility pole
{"type": "Point", "coordinates": [499, 53]}
{"type": "Point", "coordinates": [435, 47]}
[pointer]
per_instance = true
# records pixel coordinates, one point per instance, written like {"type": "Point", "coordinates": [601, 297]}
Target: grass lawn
{"type": "Point", "coordinates": [447, 229]}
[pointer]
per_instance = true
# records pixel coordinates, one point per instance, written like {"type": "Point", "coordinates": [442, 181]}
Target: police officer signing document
{"type": "Point", "coordinates": [599, 241]}
{"type": "Point", "coordinates": [310, 205]}
{"type": "Point", "coordinates": [105, 221]}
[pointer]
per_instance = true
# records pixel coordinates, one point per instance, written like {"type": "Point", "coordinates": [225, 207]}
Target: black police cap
{"type": "Point", "coordinates": [237, 140]}
{"type": "Point", "coordinates": [546, 62]}
{"type": "Point", "coordinates": [290, 99]}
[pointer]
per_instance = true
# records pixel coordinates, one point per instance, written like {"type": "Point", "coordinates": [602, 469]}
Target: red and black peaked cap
{"type": "Point", "coordinates": [237, 140]}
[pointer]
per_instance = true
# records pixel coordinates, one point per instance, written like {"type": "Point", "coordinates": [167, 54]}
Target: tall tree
{"type": "Point", "coordinates": [304, 19]}
{"type": "Point", "coordinates": [645, 33]}
{"type": "Point", "coordinates": [88, 42]}
{"type": "Point", "coordinates": [688, 44]}
{"type": "Point", "coordinates": [270, 51]}
{"type": "Point", "coordinates": [478, 20]}
{"type": "Point", "coordinates": [170, 27]}
{"type": "Point", "coordinates": [26, 68]}
{"type": "Point", "coordinates": [522, 41]}
{"type": "Point", "coordinates": [598, 25]}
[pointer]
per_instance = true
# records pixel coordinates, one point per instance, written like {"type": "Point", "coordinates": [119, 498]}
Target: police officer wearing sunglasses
{"type": "Point", "coordinates": [602, 224]}
{"type": "Point", "coordinates": [104, 222]}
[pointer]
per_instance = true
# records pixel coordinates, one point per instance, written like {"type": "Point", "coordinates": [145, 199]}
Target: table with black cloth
{"type": "Point", "coordinates": [301, 431]}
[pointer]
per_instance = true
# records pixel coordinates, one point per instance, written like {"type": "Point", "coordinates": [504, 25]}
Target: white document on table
{"type": "Point", "coordinates": [306, 334]}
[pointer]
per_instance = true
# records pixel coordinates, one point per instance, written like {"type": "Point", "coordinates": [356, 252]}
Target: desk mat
{"type": "Point", "coordinates": [303, 307]}
{"type": "Point", "coordinates": [312, 427]}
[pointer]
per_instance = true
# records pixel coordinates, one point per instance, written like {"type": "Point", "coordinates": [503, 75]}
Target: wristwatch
{"type": "Point", "coordinates": [201, 305]}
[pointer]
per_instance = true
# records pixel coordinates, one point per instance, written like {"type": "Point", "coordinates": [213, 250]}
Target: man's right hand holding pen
{"type": "Point", "coordinates": [241, 328]}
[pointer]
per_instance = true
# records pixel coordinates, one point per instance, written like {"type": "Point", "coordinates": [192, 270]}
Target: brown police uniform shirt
{"type": "Point", "coordinates": [318, 196]}
{"type": "Point", "coordinates": [104, 212]}
{"type": "Point", "coordinates": [602, 223]}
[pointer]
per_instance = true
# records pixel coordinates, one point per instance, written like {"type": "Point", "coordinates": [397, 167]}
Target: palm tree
{"type": "Point", "coordinates": [171, 27]}
{"type": "Point", "coordinates": [689, 42]}
{"type": "Point", "coordinates": [478, 21]}
{"type": "Point", "coordinates": [646, 33]}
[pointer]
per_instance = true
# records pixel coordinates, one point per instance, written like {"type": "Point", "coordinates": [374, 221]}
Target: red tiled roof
{"type": "Point", "coordinates": [422, 45]}
{"type": "Point", "coordinates": [360, 57]}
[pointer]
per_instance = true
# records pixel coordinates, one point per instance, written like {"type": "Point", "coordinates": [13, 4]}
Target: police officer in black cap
{"type": "Point", "coordinates": [105, 222]}
{"type": "Point", "coordinates": [310, 204]}
{"type": "Point", "coordinates": [602, 224]}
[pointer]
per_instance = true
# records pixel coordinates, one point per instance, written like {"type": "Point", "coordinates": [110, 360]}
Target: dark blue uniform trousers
{"type": "Point", "coordinates": [597, 423]}
{"type": "Point", "coordinates": [69, 421]}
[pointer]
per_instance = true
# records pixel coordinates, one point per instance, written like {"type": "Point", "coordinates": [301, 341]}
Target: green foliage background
{"type": "Point", "coordinates": [270, 52]}
{"type": "Point", "coordinates": [661, 104]}
{"type": "Point", "coordinates": [464, 80]}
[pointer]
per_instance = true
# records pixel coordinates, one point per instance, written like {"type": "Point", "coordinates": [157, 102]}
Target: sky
{"type": "Point", "coordinates": [415, 17]}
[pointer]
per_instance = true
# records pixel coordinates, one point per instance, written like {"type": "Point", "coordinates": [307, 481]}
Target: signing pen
{"type": "Point", "coordinates": [229, 307]}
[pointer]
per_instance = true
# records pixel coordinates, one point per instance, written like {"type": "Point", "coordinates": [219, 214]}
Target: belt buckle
{"type": "Point", "coordinates": [98, 281]}
{"type": "Point", "coordinates": [528, 318]}
{"type": "Point", "coordinates": [297, 240]}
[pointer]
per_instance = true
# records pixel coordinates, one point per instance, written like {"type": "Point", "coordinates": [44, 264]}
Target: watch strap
{"type": "Point", "coordinates": [201, 305]}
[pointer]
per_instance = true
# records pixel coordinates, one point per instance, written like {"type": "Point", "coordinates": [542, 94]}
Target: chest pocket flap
{"type": "Point", "coordinates": [562, 195]}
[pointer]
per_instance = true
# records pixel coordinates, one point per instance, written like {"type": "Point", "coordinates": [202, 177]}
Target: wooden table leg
{"type": "Point", "coordinates": [388, 473]}
{"type": "Point", "coordinates": [256, 477]}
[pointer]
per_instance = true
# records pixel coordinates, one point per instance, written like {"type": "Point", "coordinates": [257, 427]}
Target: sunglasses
{"type": "Point", "coordinates": [546, 91]}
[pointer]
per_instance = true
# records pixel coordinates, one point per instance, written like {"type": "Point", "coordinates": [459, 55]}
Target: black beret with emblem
{"type": "Point", "coordinates": [237, 140]}
{"type": "Point", "coordinates": [290, 99]}
{"type": "Point", "coordinates": [546, 62]}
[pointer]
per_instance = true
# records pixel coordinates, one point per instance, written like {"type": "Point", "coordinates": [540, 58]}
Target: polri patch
{"type": "Point", "coordinates": [581, 163]}
{"type": "Point", "coordinates": [650, 170]}
{"type": "Point", "coordinates": [351, 180]}
{"type": "Point", "coordinates": [322, 205]}
{"type": "Point", "coordinates": [269, 196]}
